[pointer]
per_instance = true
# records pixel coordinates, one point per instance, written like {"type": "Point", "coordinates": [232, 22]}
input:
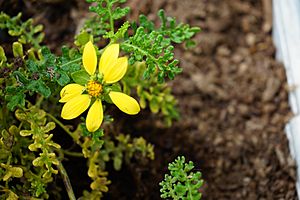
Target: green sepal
{"type": "Point", "coordinates": [81, 77]}
{"type": "Point", "coordinates": [82, 38]}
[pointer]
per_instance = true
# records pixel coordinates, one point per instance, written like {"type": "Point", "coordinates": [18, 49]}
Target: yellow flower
{"type": "Point", "coordinates": [77, 98]}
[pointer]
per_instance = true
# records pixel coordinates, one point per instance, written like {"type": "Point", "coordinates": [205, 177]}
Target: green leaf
{"type": "Point", "coordinates": [182, 183]}
{"type": "Point", "coordinates": [3, 58]}
{"type": "Point", "coordinates": [154, 105]}
{"type": "Point", "coordinates": [63, 78]}
{"type": "Point", "coordinates": [107, 12]}
{"type": "Point", "coordinates": [20, 77]}
{"type": "Point", "coordinates": [81, 77]}
{"type": "Point", "coordinates": [15, 100]}
{"type": "Point", "coordinates": [17, 49]}
{"type": "Point", "coordinates": [40, 87]}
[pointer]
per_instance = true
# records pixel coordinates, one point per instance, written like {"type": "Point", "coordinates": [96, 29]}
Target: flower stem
{"type": "Point", "coordinates": [66, 181]}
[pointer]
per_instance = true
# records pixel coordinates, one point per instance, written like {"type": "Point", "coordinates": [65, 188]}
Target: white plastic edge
{"type": "Point", "coordinates": [286, 36]}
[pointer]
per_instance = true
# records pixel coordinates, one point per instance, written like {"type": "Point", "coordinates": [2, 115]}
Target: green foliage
{"type": "Point", "coordinates": [99, 150]}
{"type": "Point", "coordinates": [40, 76]}
{"type": "Point", "coordinates": [31, 77]}
{"type": "Point", "coordinates": [182, 183]}
{"type": "Point", "coordinates": [107, 12]}
{"type": "Point", "coordinates": [26, 32]}
{"type": "Point", "coordinates": [31, 160]}
{"type": "Point", "coordinates": [156, 96]}
{"type": "Point", "coordinates": [154, 46]}
{"type": "Point", "coordinates": [124, 149]}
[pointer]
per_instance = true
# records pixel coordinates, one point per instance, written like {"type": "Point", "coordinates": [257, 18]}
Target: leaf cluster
{"type": "Point", "coordinates": [154, 45]}
{"type": "Point", "coordinates": [28, 154]}
{"type": "Point", "coordinates": [107, 12]}
{"type": "Point", "coordinates": [41, 76]}
{"type": "Point", "coordinates": [27, 164]}
{"type": "Point", "coordinates": [157, 96]}
{"type": "Point", "coordinates": [99, 150]}
{"type": "Point", "coordinates": [182, 183]}
{"type": "Point", "coordinates": [25, 32]}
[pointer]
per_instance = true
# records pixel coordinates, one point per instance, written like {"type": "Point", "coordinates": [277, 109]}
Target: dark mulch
{"type": "Point", "coordinates": [232, 97]}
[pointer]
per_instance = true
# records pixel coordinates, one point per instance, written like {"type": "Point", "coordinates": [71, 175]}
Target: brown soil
{"type": "Point", "coordinates": [232, 98]}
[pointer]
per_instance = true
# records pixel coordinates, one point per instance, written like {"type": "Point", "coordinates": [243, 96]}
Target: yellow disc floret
{"type": "Point", "coordinates": [94, 88]}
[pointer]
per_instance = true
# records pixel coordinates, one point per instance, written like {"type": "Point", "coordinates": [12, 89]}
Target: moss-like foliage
{"type": "Point", "coordinates": [182, 182]}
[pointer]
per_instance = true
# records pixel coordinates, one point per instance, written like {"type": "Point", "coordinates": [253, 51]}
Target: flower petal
{"type": "Point", "coordinates": [70, 91]}
{"type": "Point", "coordinates": [116, 71]}
{"type": "Point", "coordinates": [95, 116]}
{"type": "Point", "coordinates": [125, 103]}
{"type": "Point", "coordinates": [108, 57]}
{"type": "Point", "coordinates": [75, 106]}
{"type": "Point", "coordinates": [89, 58]}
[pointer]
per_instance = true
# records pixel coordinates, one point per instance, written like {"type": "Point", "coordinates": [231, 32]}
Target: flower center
{"type": "Point", "coordinates": [94, 88]}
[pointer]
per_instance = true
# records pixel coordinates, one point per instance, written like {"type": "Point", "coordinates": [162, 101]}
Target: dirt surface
{"type": "Point", "coordinates": [232, 98]}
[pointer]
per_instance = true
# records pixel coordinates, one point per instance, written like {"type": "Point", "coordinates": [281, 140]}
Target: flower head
{"type": "Point", "coordinates": [77, 98]}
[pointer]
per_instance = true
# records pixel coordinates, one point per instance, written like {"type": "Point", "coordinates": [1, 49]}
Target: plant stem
{"type": "Point", "coordinates": [39, 101]}
{"type": "Point", "coordinates": [70, 62]}
{"type": "Point", "coordinates": [66, 181]}
{"type": "Point", "coordinates": [3, 116]}
{"type": "Point", "coordinates": [62, 126]}
{"type": "Point", "coordinates": [71, 153]}
{"type": "Point", "coordinates": [141, 50]}
{"type": "Point", "coordinates": [111, 20]}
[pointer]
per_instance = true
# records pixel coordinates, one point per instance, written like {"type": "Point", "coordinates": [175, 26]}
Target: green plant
{"type": "Point", "coordinates": [34, 80]}
{"type": "Point", "coordinates": [182, 183]}
{"type": "Point", "coordinates": [26, 32]}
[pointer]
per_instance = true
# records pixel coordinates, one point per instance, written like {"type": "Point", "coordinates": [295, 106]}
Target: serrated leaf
{"type": "Point", "coordinates": [21, 78]}
{"type": "Point", "coordinates": [63, 78]}
{"type": "Point", "coordinates": [40, 87]}
{"type": "Point", "coordinates": [15, 100]}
